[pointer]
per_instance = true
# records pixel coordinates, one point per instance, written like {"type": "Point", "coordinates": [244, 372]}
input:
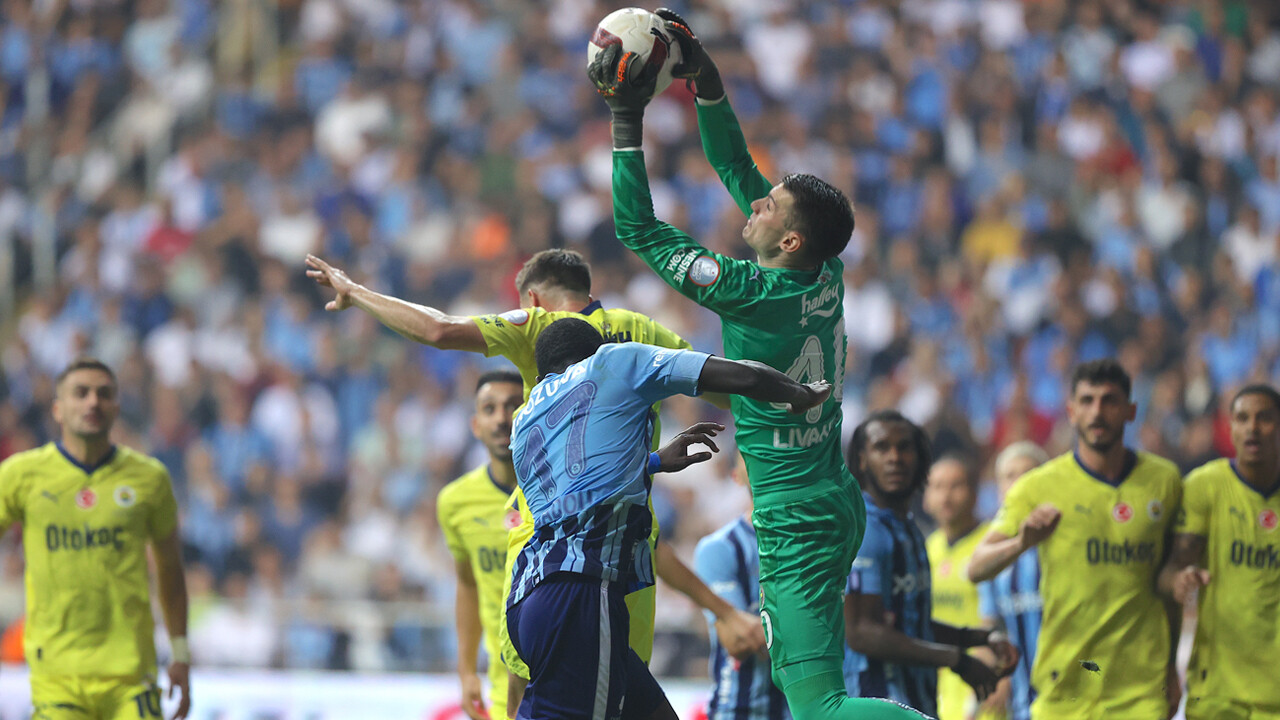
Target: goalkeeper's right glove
{"type": "Point", "coordinates": [696, 67]}
{"type": "Point", "coordinates": [627, 86]}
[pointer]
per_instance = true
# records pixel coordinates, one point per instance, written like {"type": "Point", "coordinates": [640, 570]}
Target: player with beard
{"type": "Point", "coordinates": [895, 647]}
{"type": "Point", "coordinates": [1225, 550]}
{"type": "Point", "coordinates": [1100, 516]}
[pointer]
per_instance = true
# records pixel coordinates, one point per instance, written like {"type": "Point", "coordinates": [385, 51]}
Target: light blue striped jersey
{"type": "Point", "coordinates": [581, 449]}
{"type": "Point", "coordinates": [894, 564]}
{"type": "Point", "coordinates": [1013, 597]}
{"type": "Point", "coordinates": [728, 561]}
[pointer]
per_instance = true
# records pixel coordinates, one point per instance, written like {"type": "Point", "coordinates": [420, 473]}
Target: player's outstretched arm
{"type": "Point", "coordinates": [758, 381]}
{"type": "Point", "coordinates": [741, 633]}
{"type": "Point", "coordinates": [869, 632]}
{"type": "Point", "coordinates": [419, 323]}
{"type": "Point", "coordinates": [998, 550]}
{"type": "Point", "coordinates": [172, 585]}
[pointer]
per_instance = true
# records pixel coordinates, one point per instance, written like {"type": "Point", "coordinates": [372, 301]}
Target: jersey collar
{"type": "Point", "coordinates": [1130, 462]}
{"type": "Point", "coordinates": [1265, 495]}
{"type": "Point", "coordinates": [592, 307]}
{"type": "Point", "coordinates": [88, 470]}
{"type": "Point", "coordinates": [502, 488]}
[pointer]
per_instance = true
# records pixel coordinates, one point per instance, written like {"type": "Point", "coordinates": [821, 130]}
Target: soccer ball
{"type": "Point", "coordinates": [643, 33]}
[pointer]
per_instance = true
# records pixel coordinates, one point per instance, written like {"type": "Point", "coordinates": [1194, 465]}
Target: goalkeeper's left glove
{"type": "Point", "coordinates": [696, 68]}
{"type": "Point", "coordinates": [627, 86]}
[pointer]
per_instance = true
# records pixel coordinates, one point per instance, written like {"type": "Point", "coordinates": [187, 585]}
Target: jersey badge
{"type": "Point", "coordinates": [86, 498]}
{"type": "Point", "coordinates": [1268, 520]}
{"type": "Point", "coordinates": [125, 496]}
{"type": "Point", "coordinates": [516, 317]}
{"type": "Point", "coordinates": [1122, 512]}
{"type": "Point", "coordinates": [1155, 510]}
{"type": "Point", "coordinates": [704, 271]}
{"type": "Point", "coordinates": [512, 520]}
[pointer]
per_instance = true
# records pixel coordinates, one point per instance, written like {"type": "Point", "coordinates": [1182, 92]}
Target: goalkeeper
{"type": "Point", "coordinates": [785, 309]}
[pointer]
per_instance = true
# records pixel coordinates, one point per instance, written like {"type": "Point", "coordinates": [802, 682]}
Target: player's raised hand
{"type": "Point", "coordinates": [180, 680]}
{"type": "Point", "coordinates": [331, 277]}
{"type": "Point", "coordinates": [674, 456]}
{"type": "Point", "coordinates": [1189, 580]}
{"type": "Point", "coordinates": [818, 392]}
{"type": "Point", "coordinates": [627, 85]}
{"type": "Point", "coordinates": [473, 698]}
{"type": "Point", "coordinates": [741, 633]}
{"type": "Point", "coordinates": [1039, 525]}
{"type": "Point", "coordinates": [696, 67]}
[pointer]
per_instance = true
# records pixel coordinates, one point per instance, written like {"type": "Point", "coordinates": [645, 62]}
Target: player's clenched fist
{"type": "Point", "coordinates": [1187, 581]}
{"type": "Point", "coordinates": [1039, 525]}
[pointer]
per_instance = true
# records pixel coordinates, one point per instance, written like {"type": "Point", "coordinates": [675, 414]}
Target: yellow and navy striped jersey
{"type": "Point", "coordinates": [955, 603]}
{"type": "Point", "coordinates": [1237, 630]}
{"type": "Point", "coordinates": [475, 520]}
{"type": "Point", "coordinates": [85, 532]}
{"type": "Point", "coordinates": [514, 333]}
{"type": "Point", "coordinates": [1104, 641]}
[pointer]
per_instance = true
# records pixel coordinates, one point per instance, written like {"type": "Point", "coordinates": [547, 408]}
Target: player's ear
{"type": "Point", "coordinates": [792, 242]}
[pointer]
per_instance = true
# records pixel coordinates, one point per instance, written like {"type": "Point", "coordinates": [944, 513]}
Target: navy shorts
{"type": "Point", "coordinates": [572, 632]}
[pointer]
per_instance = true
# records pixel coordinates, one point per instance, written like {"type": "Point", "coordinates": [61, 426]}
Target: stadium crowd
{"type": "Point", "coordinates": [1037, 184]}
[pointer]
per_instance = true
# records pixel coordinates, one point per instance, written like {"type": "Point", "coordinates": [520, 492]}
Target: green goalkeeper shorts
{"type": "Point", "coordinates": [807, 549]}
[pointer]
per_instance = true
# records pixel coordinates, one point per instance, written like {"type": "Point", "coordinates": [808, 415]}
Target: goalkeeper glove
{"type": "Point", "coordinates": [696, 67]}
{"type": "Point", "coordinates": [627, 86]}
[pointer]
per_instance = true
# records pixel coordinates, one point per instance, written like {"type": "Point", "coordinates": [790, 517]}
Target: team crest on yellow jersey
{"type": "Point", "coordinates": [1155, 509]}
{"type": "Point", "coordinates": [1122, 512]}
{"type": "Point", "coordinates": [512, 520]}
{"type": "Point", "coordinates": [125, 496]}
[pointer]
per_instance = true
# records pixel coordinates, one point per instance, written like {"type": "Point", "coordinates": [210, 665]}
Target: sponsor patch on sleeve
{"type": "Point", "coordinates": [516, 317]}
{"type": "Point", "coordinates": [704, 271]}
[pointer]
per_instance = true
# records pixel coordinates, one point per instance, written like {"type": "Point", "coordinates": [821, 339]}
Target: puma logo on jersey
{"type": "Point", "coordinates": [51, 496]}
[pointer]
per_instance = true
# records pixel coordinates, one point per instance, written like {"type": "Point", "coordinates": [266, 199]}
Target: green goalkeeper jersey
{"type": "Point", "coordinates": [792, 320]}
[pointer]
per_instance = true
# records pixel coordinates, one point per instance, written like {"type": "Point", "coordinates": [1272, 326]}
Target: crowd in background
{"type": "Point", "coordinates": [1036, 183]}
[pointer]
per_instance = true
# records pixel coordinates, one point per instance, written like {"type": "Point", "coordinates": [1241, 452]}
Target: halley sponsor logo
{"type": "Point", "coordinates": [1105, 552]}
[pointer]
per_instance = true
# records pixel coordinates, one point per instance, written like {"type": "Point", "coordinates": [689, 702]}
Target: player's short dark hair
{"type": "Point", "coordinates": [1101, 372]}
{"type": "Point", "coordinates": [565, 269]}
{"type": "Point", "coordinates": [966, 463]}
{"type": "Point", "coordinates": [84, 363]}
{"type": "Point", "coordinates": [499, 376]}
{"type": "Point", "coordinates": [1258, 389]}
{"type": "Point", "coordinates": [858, 444]}
{"type": "Point", "coordinates": [821, 213]}
{"type": "Point", "coordinates": [565, 342]}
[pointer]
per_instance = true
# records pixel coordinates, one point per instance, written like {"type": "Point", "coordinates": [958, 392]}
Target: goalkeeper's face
{"type": "Point", "coordinates": [85, 404]}
{"type": "Point", "coordinates": [767, 231]}
{"type": "Point", "coordinates": [496, 404]}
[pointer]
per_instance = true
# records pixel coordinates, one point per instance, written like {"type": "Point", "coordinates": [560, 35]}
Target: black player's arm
{"type": "Point", "coordinates": [965, 637]}
{"type": "Point", "coordinates": [867, 632]}
{"type": "Point", "coordinates": [515, 693]}
{"type": "Point", "coordinates": [754, 380]}
{"type": "Point", "coordinates": [466, 610]}
{"type": "Point", "coordinates": [1188, 549]}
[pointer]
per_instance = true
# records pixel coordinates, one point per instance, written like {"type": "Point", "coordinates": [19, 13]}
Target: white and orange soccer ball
{"type": "Point", "coordinates": [643, 33]}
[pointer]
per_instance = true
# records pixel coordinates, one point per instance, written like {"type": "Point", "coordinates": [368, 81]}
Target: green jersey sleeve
{"type": "Point", "coordinates": [726, 149]}
{"type": "Point", "coordinates": [727, 286]}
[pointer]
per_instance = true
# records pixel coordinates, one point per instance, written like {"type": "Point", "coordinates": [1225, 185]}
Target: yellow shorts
{"type": "Point", "coordinates": [73, 697]}
{"type": "Point", "coordinates": [1203, 708]}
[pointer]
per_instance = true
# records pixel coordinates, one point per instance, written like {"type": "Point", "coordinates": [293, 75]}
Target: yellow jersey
{"type": "Point", "coordinates": [84, 535]}
{"type": "Point", "coordinates": [513, 334]}
{"type": "Point", "coordinates": [475, 519]}
{"type": "Point", "coordinates": [1237, 631]}
{"type": "Point", "coordinates": [1104, 642]}
{"type": "Point", "coordinates": [955, 603]}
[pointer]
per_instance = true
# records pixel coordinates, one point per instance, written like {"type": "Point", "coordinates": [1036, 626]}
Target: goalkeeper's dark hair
{"type": "Point", "coordinates": [1102, 372]}
{"type": "Point", "coordinates": [499, 376]}
{"type": "Point", "coordinates": [565, 269]}
{"type": "Point", "coordinates": [858, 444]}
{"type": "Point", "coordinates": [1262, 389]}
{"type": "Point", "coordinates": [821, 213]}
{"type": "Point", "coordinates": [564, 343]}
